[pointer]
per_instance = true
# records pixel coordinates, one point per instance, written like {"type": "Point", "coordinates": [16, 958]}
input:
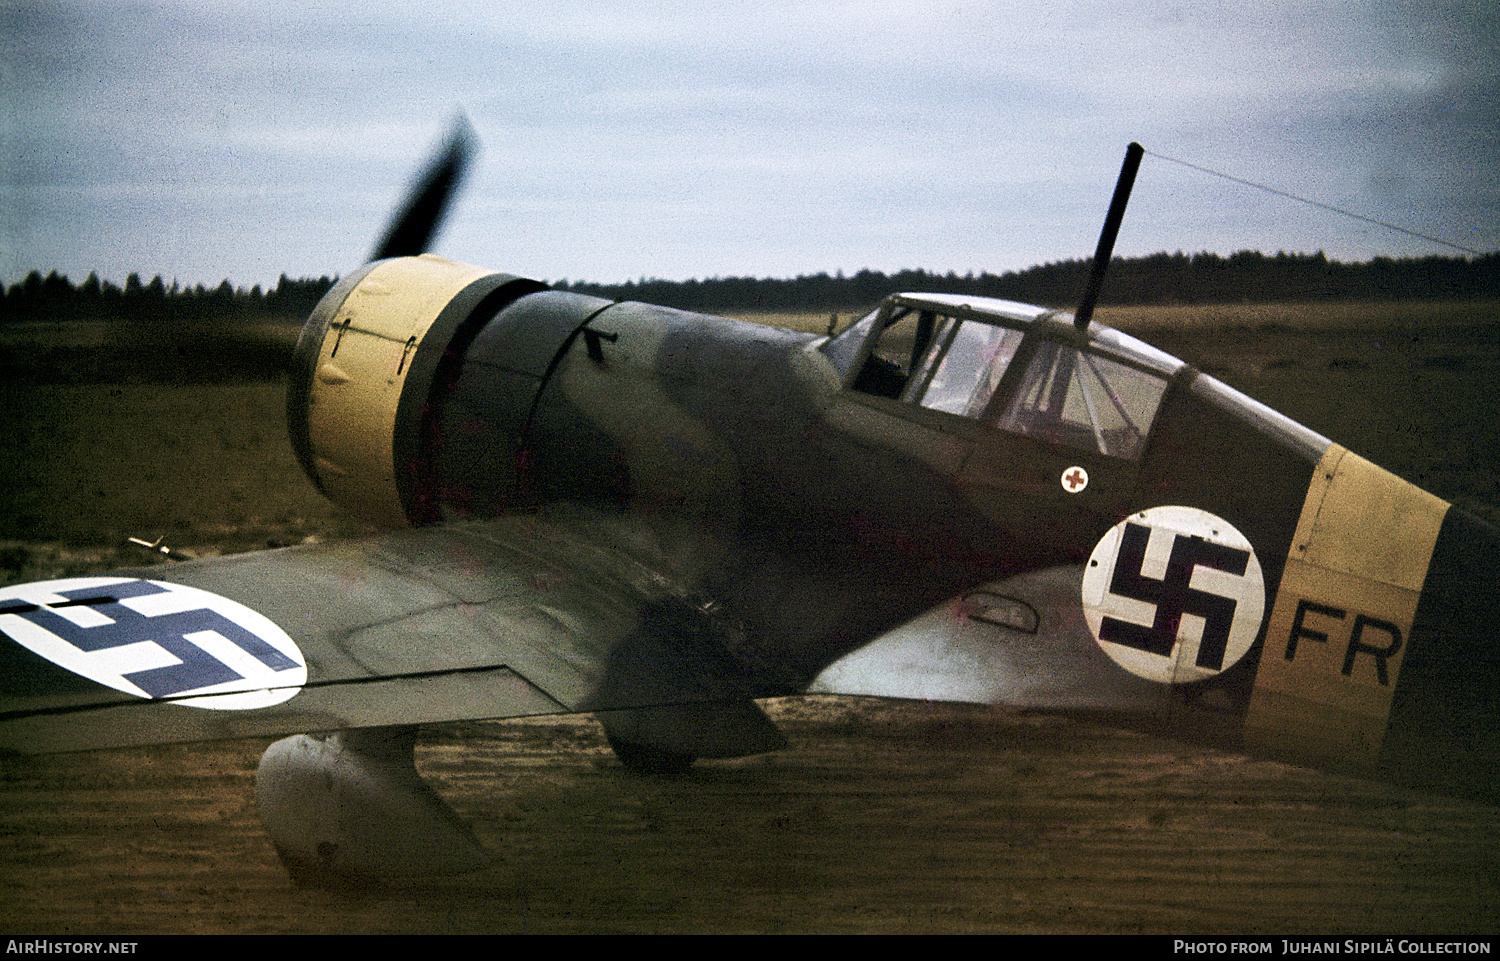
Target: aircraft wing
{"type": "Point", "coordinates": [510, 617]}
{"type": "Point", "coordinates": [1021, 642]}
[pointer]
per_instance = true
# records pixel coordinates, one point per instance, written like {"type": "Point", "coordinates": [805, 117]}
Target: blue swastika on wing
{"type": "Point", "coordinates": [199, 669]}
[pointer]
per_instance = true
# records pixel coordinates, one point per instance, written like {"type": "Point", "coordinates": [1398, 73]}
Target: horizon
{"type": "Point", "coordinates": [174, 284]}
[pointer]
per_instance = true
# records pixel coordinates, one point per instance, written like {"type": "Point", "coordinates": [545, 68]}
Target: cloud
{"type": "Point", "coordinates": [691, 139]}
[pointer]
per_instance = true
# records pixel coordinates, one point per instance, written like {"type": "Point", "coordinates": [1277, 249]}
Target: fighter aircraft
{"type": "Point", "coordinates": [660, 516]}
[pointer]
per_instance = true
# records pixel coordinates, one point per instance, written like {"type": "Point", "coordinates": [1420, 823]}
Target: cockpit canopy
{"type": "Point", "coordinates": [1011, 366]}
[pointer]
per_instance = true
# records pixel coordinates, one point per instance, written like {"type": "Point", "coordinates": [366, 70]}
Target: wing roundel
{"type": "Point", "coordinates": [512, 617]}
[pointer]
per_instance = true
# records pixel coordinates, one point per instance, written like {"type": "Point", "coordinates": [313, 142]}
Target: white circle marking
{"type": "Point", "coordinates": [1074, 479]}
{"type": "Point", "coordinates": [1174, 594]}
{"type": "Point", "coordinates": [156, 640]}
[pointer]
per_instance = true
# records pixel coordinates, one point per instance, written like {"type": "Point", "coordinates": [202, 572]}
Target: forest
{"type": "Point", "coordinates": [54, 298]}
{"type": "Point", "coordinates": [1162, 278]}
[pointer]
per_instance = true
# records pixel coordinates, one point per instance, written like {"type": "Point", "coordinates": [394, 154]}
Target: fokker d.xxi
{"type": "Point", "coordinates": [660, 516]}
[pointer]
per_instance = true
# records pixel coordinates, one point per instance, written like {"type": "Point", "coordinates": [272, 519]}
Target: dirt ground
{"type": "Point", "coordinates": [880, 817]}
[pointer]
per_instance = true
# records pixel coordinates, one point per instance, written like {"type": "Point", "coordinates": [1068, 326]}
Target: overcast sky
{"type": "Point", "coordinates": [697, 139]}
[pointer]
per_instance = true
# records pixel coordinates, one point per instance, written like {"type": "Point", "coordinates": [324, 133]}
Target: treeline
{"type": "Point", "coordinates": [1247, 276]}
{"type": "Point", "coordinates": [54, 297]}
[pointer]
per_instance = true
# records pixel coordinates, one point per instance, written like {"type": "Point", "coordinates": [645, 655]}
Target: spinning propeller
{"type": "Point", "coordinates": [418, 220]}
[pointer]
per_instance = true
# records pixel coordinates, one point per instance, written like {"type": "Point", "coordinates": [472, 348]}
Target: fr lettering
{"type": "Point", "coordinates": [1380, 640]}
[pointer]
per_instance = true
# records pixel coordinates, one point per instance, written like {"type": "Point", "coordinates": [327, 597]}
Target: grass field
{"type": "Point", "coordinates": [187, 441]}
{"type": "Point", "coordinates": [1144, 320]}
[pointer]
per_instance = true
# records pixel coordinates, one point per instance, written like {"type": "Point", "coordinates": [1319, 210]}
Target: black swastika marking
{"type": "Point", "coordinates": [1173, 596]}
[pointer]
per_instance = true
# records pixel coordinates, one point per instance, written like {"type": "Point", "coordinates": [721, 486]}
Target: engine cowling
{"type": "Point", "coordinates": [409, 350]}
